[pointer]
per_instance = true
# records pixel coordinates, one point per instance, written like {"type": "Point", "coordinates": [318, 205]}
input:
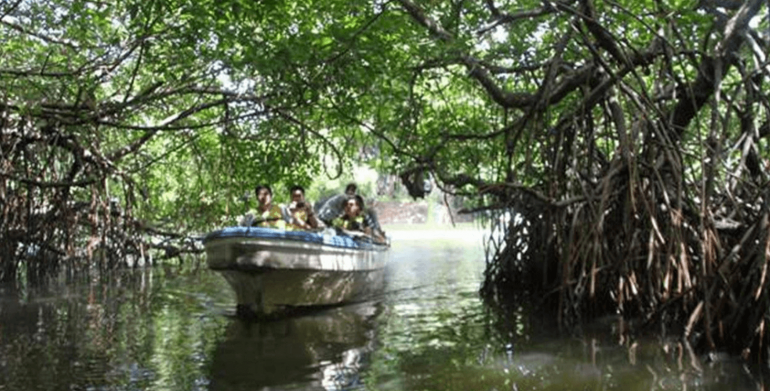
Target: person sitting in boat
{"type": "Point", "coordinates": [267, 214]}
{"type": "Point", "coordinates": [353, 220]}
{"type": "Point", "coordinates": [299, 213]}
{"type": "Point", "coordinates": [335, 206]}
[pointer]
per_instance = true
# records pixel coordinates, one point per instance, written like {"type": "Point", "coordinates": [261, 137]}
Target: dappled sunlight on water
{"type": "Point", "coordinates": [174, 329]}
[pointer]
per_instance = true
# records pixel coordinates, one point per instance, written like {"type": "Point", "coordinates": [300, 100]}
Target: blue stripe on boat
{"type": "Point", "coordinates": [300, 236]}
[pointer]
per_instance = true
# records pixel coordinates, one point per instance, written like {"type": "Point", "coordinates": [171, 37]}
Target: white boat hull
{"type": "Point", "coordinates": [275, 271]}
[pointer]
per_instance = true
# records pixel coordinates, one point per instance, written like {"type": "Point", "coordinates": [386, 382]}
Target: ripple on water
{"type": "Point", "coordinates": [429, 330]}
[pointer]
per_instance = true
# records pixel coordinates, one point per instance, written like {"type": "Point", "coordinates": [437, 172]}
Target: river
{"type": "Point", "coordinates": [173, 328]}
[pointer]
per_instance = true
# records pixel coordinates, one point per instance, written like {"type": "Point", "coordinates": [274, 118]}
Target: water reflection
{"type": "Point", "coordinates": [323, 350]}
{"type": "Point", "coordinates": [435, 334]}
{"type": "Point", "coordinates": [174, 329]}
{"type": "Point", "coordinates": [129, 330]}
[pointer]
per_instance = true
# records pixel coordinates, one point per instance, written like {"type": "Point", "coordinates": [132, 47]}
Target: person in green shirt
{"type": "Point", "coordinates": [334, 207]}
{"type": "Point", "coordinates": [267, 214]}
{"type": "Point", "coordinates": [353, 220]}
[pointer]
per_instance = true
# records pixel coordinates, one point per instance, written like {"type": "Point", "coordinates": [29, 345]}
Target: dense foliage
{"type": "Point", "coordinates": [626, 141]}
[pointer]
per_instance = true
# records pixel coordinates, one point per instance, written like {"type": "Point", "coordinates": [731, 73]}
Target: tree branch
{"type": "Point", "coordinates": [694, 96]}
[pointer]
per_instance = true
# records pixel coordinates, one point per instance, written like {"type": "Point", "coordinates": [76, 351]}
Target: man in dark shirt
{"type": "Point", "coordinates": [335, 206]}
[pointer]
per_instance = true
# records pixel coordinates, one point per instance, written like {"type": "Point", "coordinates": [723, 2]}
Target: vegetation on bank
{"type": "Point", "coordinates": [623, 143]}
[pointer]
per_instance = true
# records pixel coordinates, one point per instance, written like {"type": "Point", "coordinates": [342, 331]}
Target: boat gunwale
{"type": "Point", "coordinates": [272, 236]}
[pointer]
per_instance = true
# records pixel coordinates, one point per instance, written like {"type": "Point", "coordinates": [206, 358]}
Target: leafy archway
{"type": "Point", "coordinates": [623, 143]}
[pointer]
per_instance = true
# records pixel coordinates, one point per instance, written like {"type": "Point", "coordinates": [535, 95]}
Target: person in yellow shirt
{"type": "Point", "coordinates": [299, 213]}
{"type": "Point", "coordinates": [267, 214]}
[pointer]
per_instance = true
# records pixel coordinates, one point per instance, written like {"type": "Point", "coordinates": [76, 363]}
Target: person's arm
{"type": "Point", "coordinates": [370, 219]}
{"type": "Point", "coordinates": [353, 233]}
{"type": "Point", "coordinates": [372, 228]}
{"type": "Point", "coordinates": [379, 237]}
{"type": "Point", "coordinates": [286, 213]}
{"type": "Point", "coordinates": [272, 219]}
{"type": "Point", "coordinates": [291, 213]}
{"type": "Point", "coordinates": [312, 220]}
{"type": "Point", "coordinates": [246, 220]}
{"type": "Point", "coordinates": [331, 208]}
{"type": "Point", "coordinates": [302, 224]}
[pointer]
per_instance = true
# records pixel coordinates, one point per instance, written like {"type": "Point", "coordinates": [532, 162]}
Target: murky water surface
{"type": "Point", "coordinates": [174, 329]}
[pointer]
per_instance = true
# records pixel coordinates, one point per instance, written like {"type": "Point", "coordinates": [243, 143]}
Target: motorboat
{"type": "Point", "coordinates": [275, 271]}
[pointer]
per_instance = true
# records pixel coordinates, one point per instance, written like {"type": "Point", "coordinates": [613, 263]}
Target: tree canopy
{"type": "Point", "coordinates": [629, 138]}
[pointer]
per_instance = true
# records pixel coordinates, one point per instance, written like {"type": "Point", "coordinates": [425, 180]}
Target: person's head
{"type": "Point", "coordinates": [351, 189]}
{"type": "Point", "coordinates": [354, 205]}
{"type": "Point", "coordinates": [297, 193]}
{"type": "Point", "coordinates": [264, 194]}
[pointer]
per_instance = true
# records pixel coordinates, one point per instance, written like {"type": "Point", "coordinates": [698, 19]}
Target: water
{"type": "Point", "coordinates": [174, 329]}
